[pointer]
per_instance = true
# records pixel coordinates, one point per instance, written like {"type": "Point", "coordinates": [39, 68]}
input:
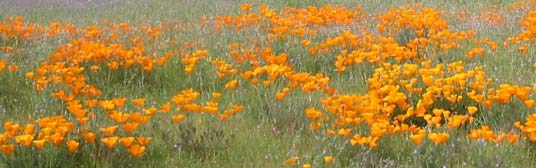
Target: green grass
{"type": "Point", "coordinates": [267, 132]}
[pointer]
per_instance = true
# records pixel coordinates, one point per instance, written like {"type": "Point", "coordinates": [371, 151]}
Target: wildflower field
{"type": "Point", "coordinates": [234, 83]}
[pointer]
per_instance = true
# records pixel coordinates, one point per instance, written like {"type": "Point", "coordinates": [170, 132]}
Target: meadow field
{"type": "Point", "coordinates": [294, 83]}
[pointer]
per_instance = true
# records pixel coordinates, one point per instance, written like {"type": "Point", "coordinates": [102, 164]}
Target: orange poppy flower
{"type": "Point", "coordinates": [305, 43]}
{"type": "Point", "coordinates": [56, 139]}
{"type": "Point", "coordinates": [7, 149]}
{"type": "Point", "coordinates": [292, 161]}
{"type": "Point", "coordinates": [107, 105]}
{"type": "Point", "coordinates": [95, 68]}
{"type": "Point", "coordinates": [224, 117]}
{"type": "Point", "coordinates": [328, 159]}
{"type": "Point", "coordinates": [130, 127]}
{"type": "Point", "coordinates": [138, 102]}
{"type": "Point", "coordinates": [312, 113]}
{"type": "Point", "coordinates": [110, 142]}
{"type": "Point", "coordinates": [417, 138]}
{"type": "Point", "coordinates": [109, 131]}
{"type": "Point", "coordinates": [91, 103]}
{"type": "Point", "coordinates": [119, 102]}
{"type": "Point", "coordinates": [127, 141]}
{"type": "Point", "coordinates": [2, 65]}
{"type": "Point", "coordinates": [472, 110]}
{"type": "Point", "coordinates": [331, 132]}
{"type": "Point", "coordinates": [143, 140]}
{"type": "Point", "coordinates": [280, 96]}
{"type": "Point", "coordinates": [136, 150]}
{"type": "Point", "coordinates": [72, 146]}
{"type": "Point", "coordinates": [118, 116]}
{"type": "Point", "coordinates": [246, 7]}
{"type": "Point", "coordinates": [166, 107]}
{"type": "Point", "coordinates": [216, 95]}
{"type": "Point", "coordinates": [77, 110]}
{"type": "Point", "coordinates": [29, 129]}
{"type": "Point", "coordinates": [232, 84]}
{"type": "Point", "coordinates": [13, 68]}
{"type": "Point", "coordinates": [315, 125]}
{"type": "Point", "coordinates": [150, 111]}
{"type": "Point", "coordinates": [139, 118]}
{"type": "Point", "coordinates": [254, 81]}
{"type": "Point", "coordinates": [438, 138]}
{"type": "Point", "coordinates": [344, 132]}
{"type": "Point", "coordinates": [512, 138]}
{"type": "Point", "coordinates": [178, 118]}
{"type": "Point", "coordinates": [83, 121]}
{"type": "Point", "coordinates": [267, 83]}
{"type": "Point", "coordinates": [89, 136]}
{"type": "Point", "coordinates": [237, 108]}
{"type": "Point", "coordinates": [529, 103]}
{"type": "Point", "coordinates": [113, 65]}
{"type": "Point", "coordinates": [25, 140]}
{"type": "Point", "coordinates": [39, 144]}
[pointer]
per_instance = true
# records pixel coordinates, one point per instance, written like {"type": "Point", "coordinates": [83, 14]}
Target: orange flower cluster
{"type": "Point", "coordinates": [528, 127]}
{"type": "Point", "coordinates": [224, 69]}
{"type": "Point", "coordinates": [296, 21]}
{"type": "Point", "coordinates": [390, 105]}
{"type": "Point", "coordinates": [10, 68]}
{"type": "Point", "coordinates": [488, 135]}
{"type": "Point", "coordinates": [530, 30]}
{"type": "Point", "coordinates": [484, 46]}
{"type": "Point", "coordinates": [56, 129]}
{"type": "Point", "coordinates": [112, 48]}
{"type": "Point", "coordinates": [16, 28]}
{"type": "Point", "coordinates": [404, 34]}
{"type": "Point", "coordinates": [192, 59]}
{"type": "Point", "coordinates": [357, 49]}
{"type": "Point", "coordinates": [426, 24]}
{"type": "Point", "coordinates": [53, 130]}
{"type": "Point", "coordinates": [277, 67]}
{"type": "Point", "coordinates": [290, 21]}
{"type": "Point", "coordinates": [409, 93]}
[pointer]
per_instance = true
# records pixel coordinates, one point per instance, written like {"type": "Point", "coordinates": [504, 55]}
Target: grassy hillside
{"type": "Point", "coordinates": [233, 83]}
